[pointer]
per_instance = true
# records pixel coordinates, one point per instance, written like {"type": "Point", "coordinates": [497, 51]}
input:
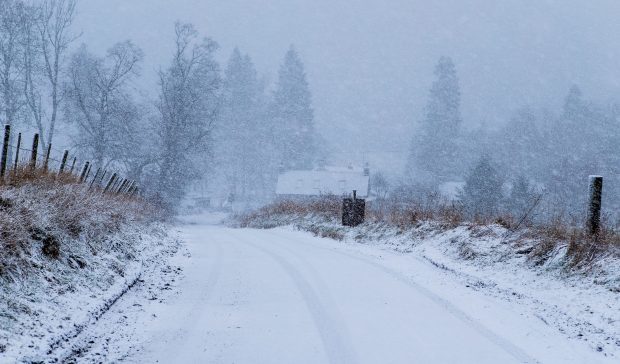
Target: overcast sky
{"type": "Point", "coordinates": [370, 62]}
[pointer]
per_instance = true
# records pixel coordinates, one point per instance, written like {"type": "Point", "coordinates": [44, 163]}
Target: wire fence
{"type": "Point", "coordinates": [17, 160]}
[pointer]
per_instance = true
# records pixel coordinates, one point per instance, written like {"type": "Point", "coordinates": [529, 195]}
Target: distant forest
{"type": "Point", "coordinates": [227, 126]}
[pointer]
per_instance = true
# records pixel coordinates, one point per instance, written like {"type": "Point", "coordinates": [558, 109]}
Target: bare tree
{"type": "Point", "coordinates": [55, 36]}
{"type": "Point", "coordinates": [187, 109]}
{"type": "Point", "coordinates": [13, 15]}
{"type": "Point", "coordinates": [33, 70]}
{"type": "Point", "coordinates": [98, 100]}
{"type": "Point", "coordinates": [380, 185]}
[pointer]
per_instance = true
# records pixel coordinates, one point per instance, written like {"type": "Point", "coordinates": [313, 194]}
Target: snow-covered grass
{"type": "Point", "coordinates": [67, 254]}
{"type": "Point", "coordinates": [559, 273]}
{"type": "Point", "coordinates": [569, 247]}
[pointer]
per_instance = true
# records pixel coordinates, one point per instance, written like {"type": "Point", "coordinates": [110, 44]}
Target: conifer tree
{"type": "Point", "coordinates": [482, 193]}
{"type": "Point", "coordinates": [434, 152]}
{"type": "Point", "coordinates": [243, 149]}
{"type": "Point", "coordinates": [521, 196]}
{"type": "Point", "coordinates": [518, 137]}
{"type": "Point", "coordinates": [292, 115]}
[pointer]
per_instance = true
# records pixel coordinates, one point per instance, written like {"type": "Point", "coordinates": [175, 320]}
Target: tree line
{"type": "Point", "coordinates": [202, 120]}
{"type": "Point", "coordinates": [540, 158]}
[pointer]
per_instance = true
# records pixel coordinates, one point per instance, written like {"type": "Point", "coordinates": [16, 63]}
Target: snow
{"type": "Point", "coordinates": [283, 296]}
{"type": "Point", "coordinates": [42, 317]}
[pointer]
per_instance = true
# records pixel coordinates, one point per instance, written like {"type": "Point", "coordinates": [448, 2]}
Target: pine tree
{"type": "Point", "coordinates": [243, 149]}
{"type": "Point", "coordinates": [482, 193]}
{"type": "Point", "coordinates": [574, 106]}
{"type": "Point", "coordinates": [434, 150]}
{"type": "Point", "coordinates": [518, 138]}
{"type": "Point", "coordinates": [292, 115]}
{"type": "Point", "coordinates": [521, 196]}
{"type": "Point", "coordinates": [577, 150]}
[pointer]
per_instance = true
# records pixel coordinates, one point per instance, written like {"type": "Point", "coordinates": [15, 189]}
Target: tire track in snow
{"type": "Point", "coordinates": [515, 351]}
{"type": "Point", "coordinates": [213, 276]}
{"type": "Point", "coordinates": [322, 309]}
{"type": "Point", "coordinates": [215, 255]}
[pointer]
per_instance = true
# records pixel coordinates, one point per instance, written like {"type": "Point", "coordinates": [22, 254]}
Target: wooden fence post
{"type": "Point", "coordinates": [594, 207]}
{"type": "Point", "coordinates": [112, 179]}
{"type": "Point", "coordinates": [116, 184]}
{"type": "Point", "coordinates": [84, 170]}
{"type": "Point", "coordinates": [90, 166]}
{"type": "Point", "coordinates": [105, 172]}
{"type": "Point", "coordinates": [33, 155]}
{"type": "Point", "coordinates": [63, 163]}
{"type": "Point", "coordinates": [113, 183]}
{"type": "Point", "coordinates": [120, 188]}
{"type": "Point", "coordinates": [47, 157]}
{"type": "Point", "coordinates": [129, 187]}
{"type": "Point", "coordinates": [19, 144]}
{"type": "Point", "coordinates": [5, 149]}
{"type": "Point", "coordinates": [73, 165]}
{"type": "Point", "coordinates": [94, 178]}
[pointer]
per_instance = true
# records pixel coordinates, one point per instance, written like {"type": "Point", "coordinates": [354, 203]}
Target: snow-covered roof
{"type": "Point", "coordinates": [450, 190]}
{"type": "Point", "coordinates": [331, 180]}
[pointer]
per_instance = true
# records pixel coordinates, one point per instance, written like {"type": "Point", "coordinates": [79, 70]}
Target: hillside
{"type": "Point", "coordinates": [68, 253]}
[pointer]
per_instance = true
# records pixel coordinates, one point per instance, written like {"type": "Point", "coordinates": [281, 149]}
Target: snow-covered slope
{"type": "Point", "coordinates": [41, 317]}
{"type": "Point", "coordinates": [67, 255]}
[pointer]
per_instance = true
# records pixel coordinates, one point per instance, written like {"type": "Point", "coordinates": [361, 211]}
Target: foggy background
{"type": "Point", "coordinates": [494, 106]}
{"type": "Point", "coordinates": [370, 63]}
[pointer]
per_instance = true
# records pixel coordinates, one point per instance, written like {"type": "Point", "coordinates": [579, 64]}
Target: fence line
{"type": "Point", "coordinates": [30, 158]}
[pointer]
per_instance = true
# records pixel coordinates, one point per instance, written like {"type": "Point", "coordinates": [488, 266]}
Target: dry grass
{"type": "Point", "coordinates": [412, 214]}
{"type": "Point", "coordinates": [26, 175]}
{"type": "Point", "coordinates": [327, 208]}
{"type": "Point", "coordinates": [43, 214]}
{"type": "Point", "coordinates": [582, 250]}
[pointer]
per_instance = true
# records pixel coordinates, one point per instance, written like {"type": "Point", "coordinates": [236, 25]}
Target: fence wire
{"type": "Point", "coordinates": [84, 171]}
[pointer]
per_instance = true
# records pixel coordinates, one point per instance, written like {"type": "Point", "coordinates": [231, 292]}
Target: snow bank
{"type": "Point", "coordinates": [67, 255]}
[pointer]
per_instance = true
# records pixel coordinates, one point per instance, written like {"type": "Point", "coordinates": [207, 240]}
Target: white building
{"type": "Point", "coordinates": [324, 181]}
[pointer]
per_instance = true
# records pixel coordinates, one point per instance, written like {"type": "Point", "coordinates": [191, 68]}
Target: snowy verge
{"type": "Point", "coordinates": [581, 302]}
{"type": "Point", "coordinates": [42, 315]}
{"type": "Point", "coordinates": [68, 253]}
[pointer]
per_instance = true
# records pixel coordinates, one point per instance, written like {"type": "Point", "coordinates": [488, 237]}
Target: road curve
{"type": "Point", "coordinates": [279, 296]}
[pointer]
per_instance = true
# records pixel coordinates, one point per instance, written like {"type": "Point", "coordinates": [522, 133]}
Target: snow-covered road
{"type": "Point", "coordinates": [283, 296]}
